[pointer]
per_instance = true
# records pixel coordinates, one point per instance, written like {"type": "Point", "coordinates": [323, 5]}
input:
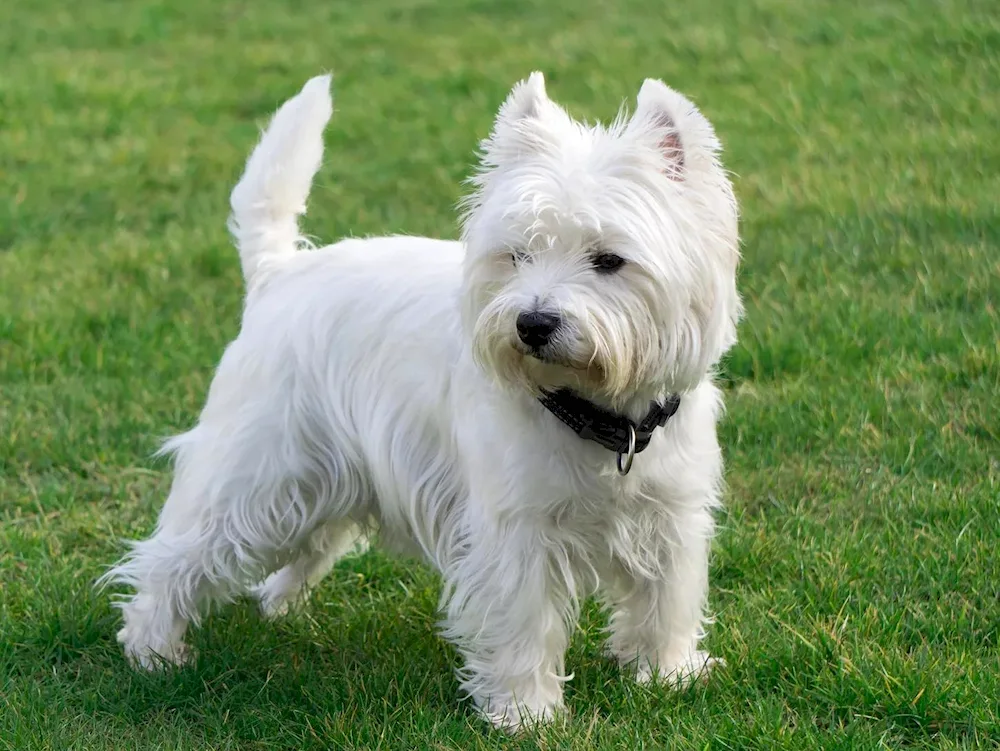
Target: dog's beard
{"type": "Point", "coordinates": [604, 356]}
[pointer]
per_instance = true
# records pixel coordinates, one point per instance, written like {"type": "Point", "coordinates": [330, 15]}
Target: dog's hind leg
{"type": "Point", "coordinates": [235, 511]}
{"type": "Point", "coordinates": [292, 583]}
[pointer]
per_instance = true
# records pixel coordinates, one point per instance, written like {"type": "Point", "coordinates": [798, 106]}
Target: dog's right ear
{"type": "Point", "coordinates": [518, 128]}
{"type": "Point", "coordinates": [525, 100]}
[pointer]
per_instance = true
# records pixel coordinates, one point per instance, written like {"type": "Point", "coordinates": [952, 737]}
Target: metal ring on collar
{"type": "Point", "coordinates": [630, 455]}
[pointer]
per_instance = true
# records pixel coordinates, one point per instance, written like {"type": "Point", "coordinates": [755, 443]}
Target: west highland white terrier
{"type": "Point", "coordinates": [530, 409]}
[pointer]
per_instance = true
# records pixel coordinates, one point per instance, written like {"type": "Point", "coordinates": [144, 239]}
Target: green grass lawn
{"type": "Point", "coordinates": [856, 575]}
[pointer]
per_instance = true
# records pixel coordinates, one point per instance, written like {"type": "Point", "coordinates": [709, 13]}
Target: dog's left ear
{"type": "Point", "coordinates": [673, 124]}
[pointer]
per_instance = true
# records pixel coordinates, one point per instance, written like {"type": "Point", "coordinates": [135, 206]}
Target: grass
{"type": "Point", "coordinates": [855, 576]}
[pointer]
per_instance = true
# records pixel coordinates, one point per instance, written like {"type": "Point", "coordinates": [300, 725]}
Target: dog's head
{"type": "Point", "coordinates": [600, 258]}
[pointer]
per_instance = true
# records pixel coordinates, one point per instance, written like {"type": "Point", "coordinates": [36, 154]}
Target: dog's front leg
{"type": "Point", "coordinates": [658, 610]}
{"type": "Point", "coordinates": [508, 612]}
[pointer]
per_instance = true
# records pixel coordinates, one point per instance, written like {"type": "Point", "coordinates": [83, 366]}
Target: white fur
{"type": "Point", "coordinates": [379, 385]}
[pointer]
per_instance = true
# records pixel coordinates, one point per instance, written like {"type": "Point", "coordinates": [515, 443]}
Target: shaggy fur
{"type": "Point", "coordinates": [381, 385]}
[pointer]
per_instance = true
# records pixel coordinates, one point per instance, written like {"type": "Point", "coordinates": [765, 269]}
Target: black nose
{"type": "Point", "coordinates": [536, 328]}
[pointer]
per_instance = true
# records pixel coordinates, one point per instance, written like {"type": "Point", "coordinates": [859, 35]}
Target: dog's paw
{"type": "Point", "coordinates": [145, 656]}
{"type": "Point", "coordinates": [694, 668]}
{"type": "Point", "coordinates": [515, 717]}
{"type": "Point", "coordinates": [272, 605]}
{"type": "Point", "coordinates": [276, 594]}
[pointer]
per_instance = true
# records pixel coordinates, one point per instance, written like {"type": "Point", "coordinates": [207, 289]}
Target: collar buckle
{"type": "Point", "coordinates": [629, 454]}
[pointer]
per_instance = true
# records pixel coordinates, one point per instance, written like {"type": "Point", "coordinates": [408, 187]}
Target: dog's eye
{"type": "Point", "coordinates": [607, 263]}
{"type": "Point", "coordinates": [517, 257]}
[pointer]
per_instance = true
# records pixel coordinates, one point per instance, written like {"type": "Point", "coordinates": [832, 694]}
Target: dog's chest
{"type": "Point", "coordinates": [599, 504]}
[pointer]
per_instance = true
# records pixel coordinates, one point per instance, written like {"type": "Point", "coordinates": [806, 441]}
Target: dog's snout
{"type": "Point", "coordinates": [535, 328]}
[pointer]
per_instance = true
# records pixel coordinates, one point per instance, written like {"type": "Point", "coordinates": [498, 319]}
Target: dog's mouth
{"type": "Point", "coordinates": [547, 367]}
{"type": "Point", "coordinates": [546, 354]}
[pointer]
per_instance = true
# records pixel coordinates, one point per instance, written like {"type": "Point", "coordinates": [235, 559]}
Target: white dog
{"type": "Point", "coordinates": [483, 404]}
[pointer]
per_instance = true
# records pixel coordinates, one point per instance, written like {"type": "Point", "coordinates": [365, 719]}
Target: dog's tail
{"type": "Point", "coordinates": [272, 193]}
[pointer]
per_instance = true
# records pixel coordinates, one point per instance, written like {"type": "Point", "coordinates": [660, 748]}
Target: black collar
{"type": "Point", "coordinates": [610, 429]}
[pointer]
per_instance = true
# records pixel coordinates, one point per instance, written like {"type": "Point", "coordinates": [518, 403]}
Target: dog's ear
{"type": "Point", "coordinates": [525, 100]}
{"type": "Point", "coordinates": [674, 125]}
{"type": "Point", "coordinates": [518, 128]}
